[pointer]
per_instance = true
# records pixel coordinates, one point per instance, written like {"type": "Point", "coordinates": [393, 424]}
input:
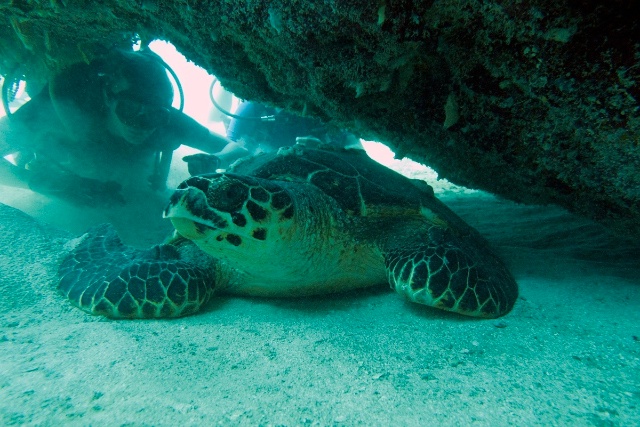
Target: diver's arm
{"type": "Point", "coordinates": [188, 131]}
{"type": "Point", "coordinates": [231, 152]}
{"type": "Point", "coordinates": [49, 178]}
{"type": "Point", "coordinates": [202, 163]}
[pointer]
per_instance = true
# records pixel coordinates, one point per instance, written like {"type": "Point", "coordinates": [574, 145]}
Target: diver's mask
{"type": "Point", "coordinates": [137, 114]}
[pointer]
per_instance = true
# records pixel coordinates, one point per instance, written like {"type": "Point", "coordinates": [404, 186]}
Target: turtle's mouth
{"type": "Point", "coordinates": [191, 215]}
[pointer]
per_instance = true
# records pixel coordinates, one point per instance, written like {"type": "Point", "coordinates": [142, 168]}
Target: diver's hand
{"type": "Point", "coordinates": [201, 163]}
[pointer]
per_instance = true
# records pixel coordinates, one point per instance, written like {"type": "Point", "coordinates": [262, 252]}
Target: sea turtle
{"type": "Point", "coordinates": [300, 221]}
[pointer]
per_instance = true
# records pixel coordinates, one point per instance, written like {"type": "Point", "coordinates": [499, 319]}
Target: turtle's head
{"type": "Point", "coordinates": [228, 213]}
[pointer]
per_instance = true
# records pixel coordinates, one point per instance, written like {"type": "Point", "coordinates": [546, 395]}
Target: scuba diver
{"type": "Point", "coordinates": [258, 128]}
{"type": "Point", "coordinates": [100, 128]}
{"type": "Point", "coordinates": [255, 128]}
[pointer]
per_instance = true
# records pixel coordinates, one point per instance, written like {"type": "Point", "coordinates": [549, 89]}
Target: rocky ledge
{"type": "Point", "coordinates": [535, 101]}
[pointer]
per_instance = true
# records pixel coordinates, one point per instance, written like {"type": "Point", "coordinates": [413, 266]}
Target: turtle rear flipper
{"type": "Point", "coordinates": [452, 273]}
{"type": "Point", "coordinates": [103, 276]}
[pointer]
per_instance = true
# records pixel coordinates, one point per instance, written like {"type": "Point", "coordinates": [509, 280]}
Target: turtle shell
{"type": "Point", "coordinates": [360, 186]}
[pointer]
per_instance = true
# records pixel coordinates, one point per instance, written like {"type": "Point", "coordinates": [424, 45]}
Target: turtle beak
{"type": "Point", "coordinates": [179, 202]}
{"type": "Point", "coordinates": [189, 212]}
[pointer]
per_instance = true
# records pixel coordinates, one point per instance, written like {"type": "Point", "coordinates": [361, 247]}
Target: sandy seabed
{"type": "Point", "coordinates": [568, 354]}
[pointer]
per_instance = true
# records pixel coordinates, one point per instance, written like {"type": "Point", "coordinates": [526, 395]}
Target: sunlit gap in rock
{"type": "Point", "coordinates": [196, 83]}
{"type": "Point", "coordinates": [20, 96]}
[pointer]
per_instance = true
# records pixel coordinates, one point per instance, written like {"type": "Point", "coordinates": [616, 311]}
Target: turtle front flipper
{"type": "Point", "coordinates": [452, 273]}
{"type": "Point", "coordinates": [103, 276]}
